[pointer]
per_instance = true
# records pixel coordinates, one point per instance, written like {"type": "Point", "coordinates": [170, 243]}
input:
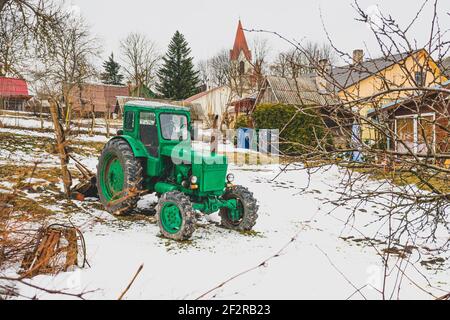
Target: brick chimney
{"type": "Point", "coordinates": [358, 56]}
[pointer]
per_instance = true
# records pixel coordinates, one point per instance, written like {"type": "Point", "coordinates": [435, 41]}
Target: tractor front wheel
{"type": "Point", "coordinates": [243, 218]}
{"type": "Point", "coordinates": [175, 215]}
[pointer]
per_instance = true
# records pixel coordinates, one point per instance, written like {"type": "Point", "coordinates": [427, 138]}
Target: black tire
{"type": "Point", "coordinates": [132, 173]}
{"type": "Point", "coordinates": [249, 204]}
{"type": "Point", "coordinates": [186, 211]}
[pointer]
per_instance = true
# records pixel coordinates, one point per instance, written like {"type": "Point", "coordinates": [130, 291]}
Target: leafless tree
{"type": "Point", "coordinates": [203, 73]}
{"type": "Point", "coordinates": [14, 51]}
{"type": "Point", "coordinates": [215, 71]}
{"type": "Point", "coordinates": [67, 63]}
{"type": "Point", "coordinates": [293, 63]}
{"type": "Point", "coordinates": [35, 18]}
{"type": "Point", "coordinates": [141, 58]}
{"type": "Point", "coordinates": [260, 63]}
{"type": "Point", "coordinates": [26, 25]}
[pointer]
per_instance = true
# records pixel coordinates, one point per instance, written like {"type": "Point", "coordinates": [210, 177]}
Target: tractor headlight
{"type": "Point", "coordinates": [230, 177]}
{"type": "Point", "coordinates": [194, 180]}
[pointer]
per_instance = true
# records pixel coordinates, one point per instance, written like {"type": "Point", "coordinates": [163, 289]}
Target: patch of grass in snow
{"type": "Point", "coordinates": [39, 188]}
{"type": "Point", "coordinates": [249, 233]}
{"type": "Point", "coordinates": [31, 144]}
{"type": "Point", "coordinates": [87, 148]}
{"type": "Point", "coordinates": [435, 263]}
{"type": "Point", "coordinates": [28, 144]}
{"type": "Point", "coordinates": [135, 217]}
{"type": "Point", "coordinates": [30, 208]}
{"type": "Point", "coordinates": [400, 252]}
{"type": "Point", "coordinates": [252, 233]}
{"type": "Point", "coordinates": [177, 245]}
{"type": "Point", "coordinates": [44, 130]}
{"type": "Point", "coordinates": [366, 242]}
{"type": "Point", "coordinates": [401, 178]}
{"type": "Point", "coordinates": [45, 177]}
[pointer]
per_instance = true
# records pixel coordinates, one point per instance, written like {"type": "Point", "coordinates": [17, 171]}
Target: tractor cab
{"type": "Point", "coordinates": [155, 125]}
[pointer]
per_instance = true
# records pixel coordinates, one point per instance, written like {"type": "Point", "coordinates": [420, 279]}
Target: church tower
{"type": "Point", "coordinates": [241, 60]}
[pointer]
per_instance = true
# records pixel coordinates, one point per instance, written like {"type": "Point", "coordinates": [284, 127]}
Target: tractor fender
{"type": "Point", "coordinates": [137, 146]}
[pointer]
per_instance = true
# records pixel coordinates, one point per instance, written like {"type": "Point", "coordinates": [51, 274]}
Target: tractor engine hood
{"type": "Point", "coordinates": [209, 168]}
{"type": "Point", "coordinates": [185, 154]}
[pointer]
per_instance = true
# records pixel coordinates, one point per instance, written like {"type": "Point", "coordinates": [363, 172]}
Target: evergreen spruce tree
{"type": "Point", "coordinates": [177, 78]}
{"type": "Point", "coordinates": [111, 74]}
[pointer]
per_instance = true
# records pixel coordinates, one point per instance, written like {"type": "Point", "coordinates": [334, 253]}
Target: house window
{"type": "Point", "coordinates": [419, 77]}
{"type": "Point", "coordinates": [415, 133]}
{"type": "Point", "coordinates": [14, 104]}
{"type": "Point", "coordinates": [128, 121]}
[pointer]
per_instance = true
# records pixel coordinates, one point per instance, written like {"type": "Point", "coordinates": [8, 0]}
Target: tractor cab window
{"type": "Point", "coordinates": [128, 123]}
{"type": "Point", "coordinates": [174, 126]}
{"type": "Point", "coordinates": [148, 118]}
{"type": "Point", "coordinates": [149, 132]}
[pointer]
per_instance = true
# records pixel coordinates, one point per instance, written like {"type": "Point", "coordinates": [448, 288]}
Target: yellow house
{"type": "Point", "coordinates": [369, 84]}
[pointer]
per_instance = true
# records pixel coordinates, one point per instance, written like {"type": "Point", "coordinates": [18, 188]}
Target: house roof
{"type": "Point", "coordinates": [300, 91]}
{"type": "Point", "coordinates": [201, 94]}
{"type": "Point", "coordinates": [240, 44]}
{"type": "Point", "coordinates": [393, 104]}
{"type": "Point", "coordinates": [12, 87]}
{"type": "Point", "coordinates": [346, 76]}
{"type": "Point", "coordinates": [103, 97]}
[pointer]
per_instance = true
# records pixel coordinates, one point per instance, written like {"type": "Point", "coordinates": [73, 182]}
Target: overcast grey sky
{"type": "Point", "coordinates": [210, 25]}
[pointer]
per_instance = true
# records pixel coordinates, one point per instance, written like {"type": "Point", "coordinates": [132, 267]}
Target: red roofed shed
{"type": "Point", "coordinates": [13, 93]}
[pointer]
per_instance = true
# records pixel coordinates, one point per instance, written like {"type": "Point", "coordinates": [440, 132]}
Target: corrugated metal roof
{"type": "Point", "coordinates": [12, 87]}
{"type": "Point", "coordinates": [348, 75]}
{"type": "Point", "coordinates": [300, 91]}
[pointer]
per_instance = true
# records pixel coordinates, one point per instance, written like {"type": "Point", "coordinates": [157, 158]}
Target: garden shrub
{"type": "Point", "coordinates": [300, 135]}
{"type": "Point", "coordinates": [241, 122]}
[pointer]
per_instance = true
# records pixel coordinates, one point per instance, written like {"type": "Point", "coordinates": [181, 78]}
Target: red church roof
{"type": "Point", "coordinates": [12, 87]}
{"type": "Point", "coordinates": [240, 44]}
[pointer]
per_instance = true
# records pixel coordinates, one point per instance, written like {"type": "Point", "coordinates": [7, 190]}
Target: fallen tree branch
{"type": "Point", "coordinates": [131, 282]}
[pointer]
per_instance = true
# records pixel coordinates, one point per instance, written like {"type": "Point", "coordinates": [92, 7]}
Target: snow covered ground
{"type": "Point", "coordinates": [308, 252]}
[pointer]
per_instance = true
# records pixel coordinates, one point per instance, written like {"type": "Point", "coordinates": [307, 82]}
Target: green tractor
{"type": "Point", "coordinates": [153, 153]}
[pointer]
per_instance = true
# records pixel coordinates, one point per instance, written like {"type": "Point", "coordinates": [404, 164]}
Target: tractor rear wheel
{"type": "Point", "coordinates": [246, 213]}
{"type": "Point", "coordinates": [119, 177]}
{"type": "Point", "coordinates": [175, 215]}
